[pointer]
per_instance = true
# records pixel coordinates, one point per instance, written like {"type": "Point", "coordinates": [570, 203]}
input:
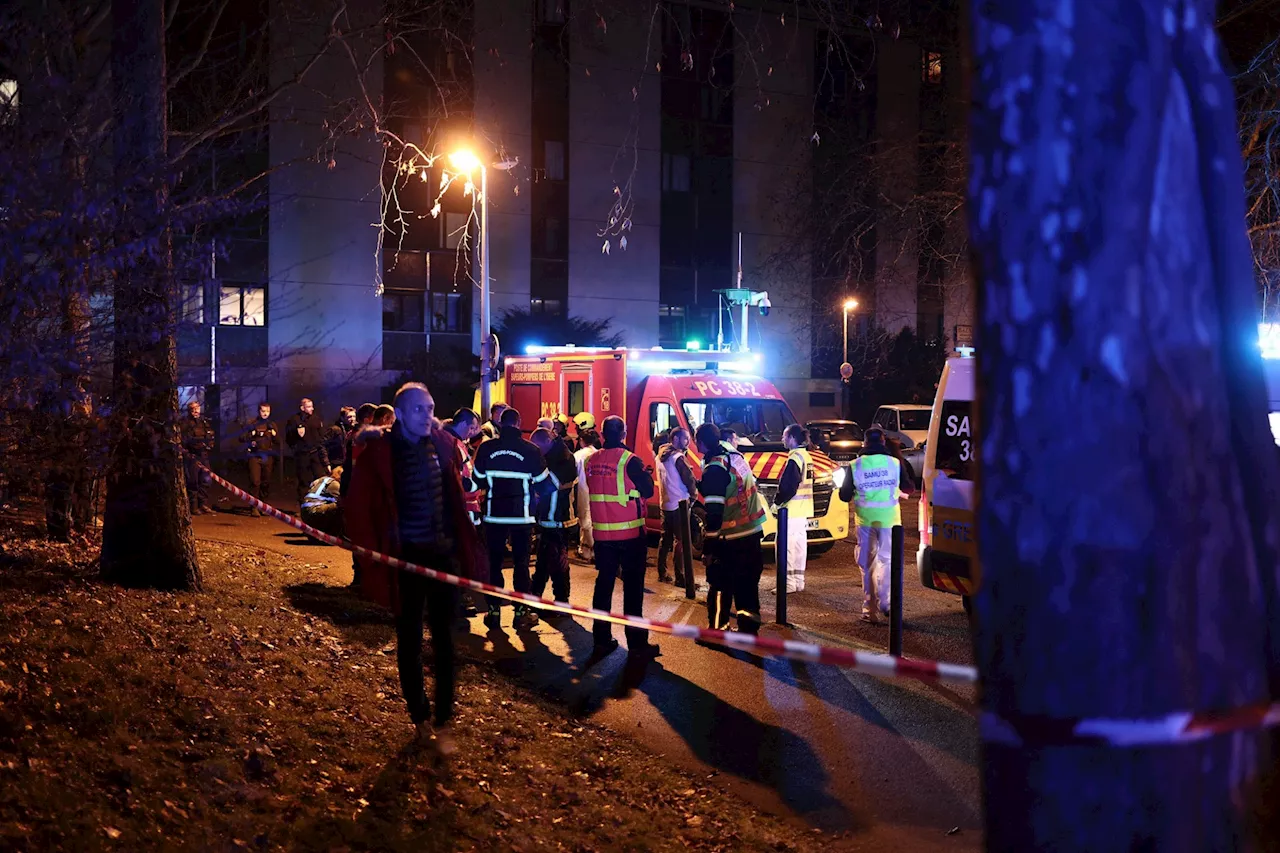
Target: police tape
{"type": "Point", "coordinates": [867, 662]}
{"type": "Point", "coordinates": [1024, 731]}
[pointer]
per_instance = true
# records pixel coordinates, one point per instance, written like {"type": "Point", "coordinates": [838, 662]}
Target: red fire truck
{"type": "Point", "coordinates": [658, 389]}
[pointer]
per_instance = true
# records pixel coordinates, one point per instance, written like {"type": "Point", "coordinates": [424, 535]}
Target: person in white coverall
{"type": "Point", "coordinates": [875, 482]}
{"type": "Point", "coordinates": [795, 493]}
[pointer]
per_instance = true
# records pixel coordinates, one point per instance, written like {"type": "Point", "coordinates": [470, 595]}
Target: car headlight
{"type": "Point", "coordinates": [837, 476]}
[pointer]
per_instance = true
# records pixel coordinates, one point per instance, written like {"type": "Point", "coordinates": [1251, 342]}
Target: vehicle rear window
{"type": "Point", "coordinates": [957, 444]}
{"type": "Point", "coordinates": [915, 419]}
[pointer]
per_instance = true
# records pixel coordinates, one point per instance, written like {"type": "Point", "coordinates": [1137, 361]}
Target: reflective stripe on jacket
{"type": "Point", "coordinates": [875, 499]}
{"type": "Point", "coordinates": [617, 512]}
{"type": "Point", "coordinates": [744, 510]}
{"type": "Point", "coordinates": [801, 505]}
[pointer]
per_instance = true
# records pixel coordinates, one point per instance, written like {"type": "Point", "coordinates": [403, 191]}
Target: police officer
{"type": "Point", "coordinates": [197, 442]}
{"type": "Point", "coordinates": [874, 483]}
{"type": "Point", "coordinates": [304, 433]}
{"type": "Point", "coordinates": [795, 492]}
{"type": "Point", "coordinates": [509, 468]}
{"type": "Point", "coordinates": [734, 534]}
{"type": "Point", "coordinates": [555, 514]}
{"type": "Point", "coordinates": [618, 487]}
{"type": "Point", "coordinates": [262, 439]}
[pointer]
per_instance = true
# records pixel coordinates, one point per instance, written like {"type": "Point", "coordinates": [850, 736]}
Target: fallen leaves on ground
{"type": "Point", "coordinates": [242, 717]}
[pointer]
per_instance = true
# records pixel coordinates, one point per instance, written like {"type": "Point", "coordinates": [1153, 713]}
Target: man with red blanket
{"type": "Point", "coordinates": [406, 500]}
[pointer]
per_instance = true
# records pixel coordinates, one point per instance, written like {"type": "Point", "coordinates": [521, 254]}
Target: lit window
{"type": "Point", "coordinates": [8, 101]}
{"type": "Point", "coordinates": [545, 306]}
{"type": "Point", "coordinates": [240, 305]}
{"type": "Point", "coordinates": [555, 160]}
{"type": "Point", "coordinates": [932, 69]}
{"type": "Point", "coordinates": [447, 314]}
{"type": "Point", "coordinates": [675, 173]}
{"type": "Point", "coordinates": [455, 229]}
{"type": "Point", "coordinates": [193, 304]}
{"type": "Point", "coordinates": [402, 311]}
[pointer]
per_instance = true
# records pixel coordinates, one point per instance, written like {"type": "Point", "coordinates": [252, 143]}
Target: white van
{"type": "Point", "coordinates": [948, 555]}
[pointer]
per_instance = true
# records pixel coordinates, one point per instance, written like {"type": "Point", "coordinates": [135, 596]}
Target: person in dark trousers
{"type": "Point", "coordinates": [678, 485]}
{"type": "Point", "coordinates": [335, 438]}
{"type": "Point", "coordinates": [509, 468]}
{"type": "Point", "coordinates": [405, 499]}
{"type": "Point", "coordinates": [555, 514]}
{"type": "Point", "coordinates": [364, 417]}
{"type": "Point", "coordinates": [732, 547]}
{"type": "Point", "coordinates": [197, 438]}
{"type": "Point", "coordinates": [464, 426]}
{"type": "Point", "coordinates": [262, 440]}
{"type": "Point", "coordinates": [304, 433]}
{"type": "Point", "coordinates": [618, 487]}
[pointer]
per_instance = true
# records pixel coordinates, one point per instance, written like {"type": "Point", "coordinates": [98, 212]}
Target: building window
{"type": "Point", "coordinates": [402, 311]}
{"type": "Point", "coordinates": [455, 229]}
{"type": "Point", "coordinates": [193, 304]}
{"type": "Point", "coordinates": [671, 325]}
{"type": "Point", "coordinates": [242, 305]}
{"type": "Point", "coordinates": [8, 101]}
{"type": "Point", "coordinates": [821, 399]}
{"type": "Point", "coordinates": [932, 68]}
{"type": "Point", "coordinates": [553, 237]}
{"type": "Point", "coordinates": [448, 313]}
{"type": "Point", "coordinates": [190, 394]}
{"type": "Point", "coordinates": [675, 173]}
{"type": "Point", "coordinates": [239, 404]}
{"type": "Point", "coordinates": [551, 11]}
{"type": "Point", "coordinates": [546, 306]}
{"type": "Point", "coordinates": [714, 101]}
{"type": "Point", "coordinates": [554, 164]}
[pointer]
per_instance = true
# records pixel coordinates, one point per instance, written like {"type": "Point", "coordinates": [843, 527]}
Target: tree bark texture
{"type": "Point", "coordinates": [146, 537]}
{"type": "Point", "coordinates": [1128, 501]}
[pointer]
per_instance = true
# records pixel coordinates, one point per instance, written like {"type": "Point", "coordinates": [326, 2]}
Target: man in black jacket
{"type": "Point", "coordinates": [335, 438]}
{"type": "Point", "coordinates": [197, 442]}
{"type": "Point", "coordinates": [555, 514]}
{"type": "Point", "coordinates": [263, 440]}
{"type": "Point", "coordinates": [304, 433]}
{"type": "Point", "coordinates": [509, 468]}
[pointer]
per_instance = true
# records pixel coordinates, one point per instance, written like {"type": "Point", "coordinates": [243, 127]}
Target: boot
{"type": "Point", "coordinates": [493, 619]}
{"type": "Point", "coordinates": [525, 617]}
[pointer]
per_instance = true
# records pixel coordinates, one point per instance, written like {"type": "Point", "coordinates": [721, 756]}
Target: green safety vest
{"type": "Point", "coordinates": [801, 506]}
{"type": "Point", "coordinates": [876, 500]}
{"type": "Point", "coordinates": [744, 510]}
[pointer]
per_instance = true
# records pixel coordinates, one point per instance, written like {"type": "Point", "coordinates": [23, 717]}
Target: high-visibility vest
{"type": "Point", "coordinates": [875, 500]}
{"type": "Point", "coordinates": [617, 513]}
{"type": "Point", "coordinates": [801, 505]}
{"type": "Point", "coordinates": [744, 511]}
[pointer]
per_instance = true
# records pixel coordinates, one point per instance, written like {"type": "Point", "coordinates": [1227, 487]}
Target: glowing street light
{"type": "Point", "coordinates": [466, 162]}
{"type": "Point", "coordinates": [849, 306]}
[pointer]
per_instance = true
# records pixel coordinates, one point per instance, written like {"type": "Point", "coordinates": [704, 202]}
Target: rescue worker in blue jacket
{"type": "Point", "coordinates": [509, 468]}
{"type": "Point", "coordinates": [555, 513]}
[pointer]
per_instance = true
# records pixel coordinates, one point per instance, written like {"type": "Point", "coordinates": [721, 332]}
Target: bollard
{"type": "Point", "coordinates": [686, 550]}
{"type": "Point", "coordinates": [780, 549]}
{"type": "Point", "coordinates": [895, 592]}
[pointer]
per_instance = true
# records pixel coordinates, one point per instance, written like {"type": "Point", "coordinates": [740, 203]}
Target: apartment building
{"type": "Point", "coordinates": [650, 156]}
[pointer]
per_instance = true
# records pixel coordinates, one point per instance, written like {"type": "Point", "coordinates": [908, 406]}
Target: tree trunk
{"type": "Point", "coordinates": [1128, 512]}
{"type": "Point", "coordinates": [146, 536]}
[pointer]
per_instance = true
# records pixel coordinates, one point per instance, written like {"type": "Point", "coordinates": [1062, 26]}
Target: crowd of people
{"type": "Point", "coordinates": [460, 495]}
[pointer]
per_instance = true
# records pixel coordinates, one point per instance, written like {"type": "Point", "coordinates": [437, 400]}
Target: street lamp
{"type": "Point", "coordinates": [466, 162]}
{"type": "Point", "coordinates": [849, 305]}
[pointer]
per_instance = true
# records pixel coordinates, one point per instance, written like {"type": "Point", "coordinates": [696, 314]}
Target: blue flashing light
{"type": "Point", "coordinates": [533, 349]}
{"type": "Point", "coordinates": [1269, 340]}
{"type": "Point", "coordinates": [693, 346]}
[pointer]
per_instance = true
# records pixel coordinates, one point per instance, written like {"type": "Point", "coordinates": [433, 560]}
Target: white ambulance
{"type": "Point", "coordinates": [948, 555]}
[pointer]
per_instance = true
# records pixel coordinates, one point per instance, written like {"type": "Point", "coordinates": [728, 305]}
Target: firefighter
{"type": "Point", "coordinates": [874, 484]}
{"type": "Point", "coordinates": [304, 433]}
{"type": "Point", "coordinates": [795, 493]}
{"type": "Point", "coordinates": [734, 534]}
{"type": "Point", "coordinates": [197, 443]}
{"type": "Point", "coordinates": [618, 487]}
{"type": "Point", "coordinates": [262, 439]}
{"type": "Point", "coordinates": [555, 514]}
{"type": "Point", "coordinates": [509, 468]}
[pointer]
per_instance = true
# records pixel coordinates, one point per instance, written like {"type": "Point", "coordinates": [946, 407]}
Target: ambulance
{"type": "Point", "coordinates": [659, 389]}
{"type": "Point", "coordinates": [948, 555]}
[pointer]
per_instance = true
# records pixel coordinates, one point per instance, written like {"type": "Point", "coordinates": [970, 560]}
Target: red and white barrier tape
{"type": "Point", "coordinates": [1179, 727]}
{"type": "Point", "coordinates": [874, 664]}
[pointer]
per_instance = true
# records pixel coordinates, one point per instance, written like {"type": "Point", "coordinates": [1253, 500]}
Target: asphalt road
{"type": "Point", "coordinates": [892, 761]}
